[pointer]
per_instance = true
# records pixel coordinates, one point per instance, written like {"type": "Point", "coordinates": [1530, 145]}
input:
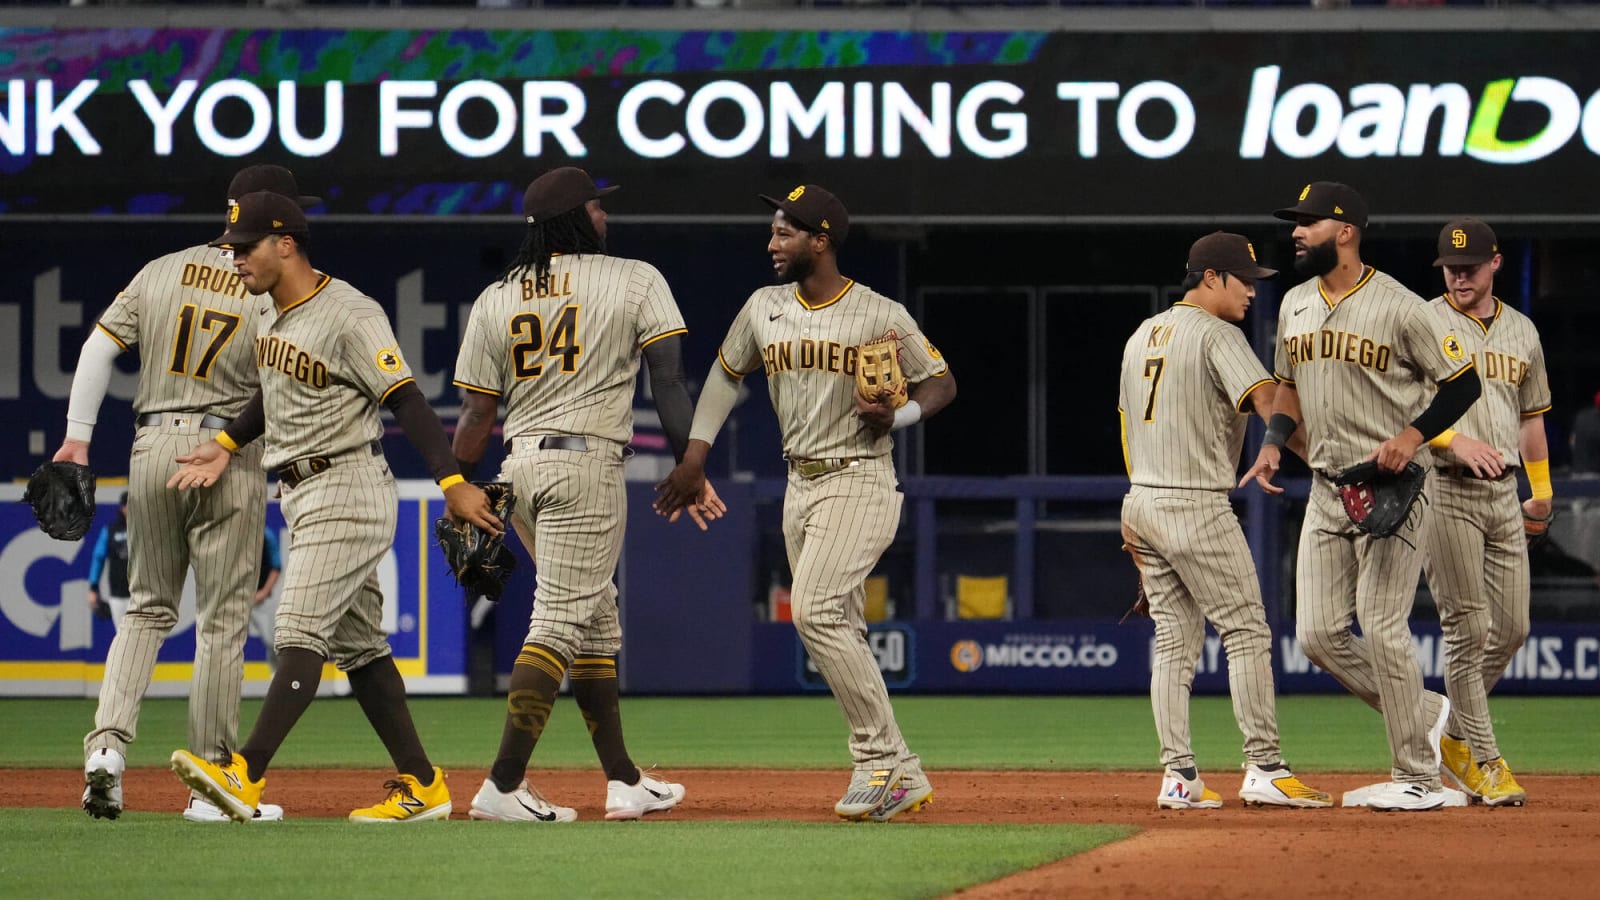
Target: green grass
{"type": "Point", "coordinates": [1320, 733]}
{"type": "Point", "coordinates": [62, 853]}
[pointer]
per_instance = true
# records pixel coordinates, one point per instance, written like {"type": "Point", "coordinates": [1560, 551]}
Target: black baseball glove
{"type": "Point", "coordinates": [62, 497]}
{"type": "Point", "coordinates": [1536, 528]}
{"type": "Point", "coordinates": [1379, 502]}
{"type": "Point", "coordinates": [480, 561]}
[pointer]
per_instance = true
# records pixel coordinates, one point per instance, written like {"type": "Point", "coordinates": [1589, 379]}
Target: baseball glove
{"type": "Point", "coordinates": [1379, 502]}
{"type": "Point", "coordinates": [1536, 528]}
{"type": "Point", "coordinates": [1141, 600]}
{"type": "Point", "coordinates": [62, 497]}
{"type": "Point", "coordinates": [480, 561]}
{"type": "Point", "coordinates": [878, 375]}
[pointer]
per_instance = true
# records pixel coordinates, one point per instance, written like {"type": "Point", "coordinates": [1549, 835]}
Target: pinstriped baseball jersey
{"type": "Point", "coordinates": [564, 355]}
{"type": "Point", "coordinates": [809, 355]}
{"type": "Point", "coordinates": [1186, 375]}
{"type": "Point", "coordinates": [1364, 365]}
{"type": "Point", "coordinates": [185, 311]}
{"type": "Point", "coordinates": [323, 360]}
{"type": "Point", "coordinates": [1510, 361]}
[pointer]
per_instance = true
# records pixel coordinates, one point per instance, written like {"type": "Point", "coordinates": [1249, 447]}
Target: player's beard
{"type": "Point", "coordinates": [1318, 260]}
{"type": "Point", "coordinates": [798, 269]}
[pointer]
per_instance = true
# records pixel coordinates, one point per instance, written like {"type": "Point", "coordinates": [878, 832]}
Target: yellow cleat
{"type": "Point", "coordinates": [1280, 787]}
{"type": "Point", "coordinates": [1499, 786]}
{"type": "Point", "coordinates": [409, 801]}
{"type": "Point", "coordinates": [1455, 760]}
{"type": "Point", "coordinates": [229, 787]}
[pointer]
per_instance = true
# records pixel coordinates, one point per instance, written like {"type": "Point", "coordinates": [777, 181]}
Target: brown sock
{"type": "Point", "coordinates": [294, 686]}
{"type": "Point", "coordinates": [594, 686]}
{"type": "Point", "coordinates": [382, 694]}
{"type": "Point", "coordinates": [535, 680]}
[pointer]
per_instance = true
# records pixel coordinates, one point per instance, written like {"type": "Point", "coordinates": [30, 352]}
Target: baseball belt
{"type": "Point", "coordinates": [182, 420]}
{"type": "Point", "coordinates": [816, 468]}
{"type": "Point", "coordinates": [1466, 472]}
{"type": "Point", "coordinates": [557, 442]}
{"type": "Point", "coordinates": [293, 473]}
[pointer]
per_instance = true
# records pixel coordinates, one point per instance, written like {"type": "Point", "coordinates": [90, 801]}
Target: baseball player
{"type": "Point", "coordinates": [110, 557]}
{"type": "Point", "coordinates": [1358, 359]}
{"type": "Point", "coordinates": [327, 357]}
{"type": "Point", "coordinates": [841, 508]}
{"type": "Point", "coordinates": [558, 337]}
{"type": "Point", "coordinates": [1477, 552]}
{"type": "Point", "coordinates": [190, 317]}
{"type": "Point", "coordinates": [1188, 380]}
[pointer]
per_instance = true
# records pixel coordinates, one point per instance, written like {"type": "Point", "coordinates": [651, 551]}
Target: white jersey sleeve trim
{"type": "Point", "coordinates": [90, 382]}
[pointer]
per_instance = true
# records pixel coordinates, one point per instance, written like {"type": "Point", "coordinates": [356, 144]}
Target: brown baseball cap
{"type": "Point", "coordinates": [260, 214]}
{"type": "Point", "coordinates": [276, 179]}
{"type": "Point", "coordinates": [1328, 200]}
{"type": "Point", "coordinates": [815, 209]}
{"type": "Point", "coordinates": [558, 191]}
{"type": "Point", "coordinates": [1466, 242]}
{"type": "Point", "coordinates": [1226, 252]}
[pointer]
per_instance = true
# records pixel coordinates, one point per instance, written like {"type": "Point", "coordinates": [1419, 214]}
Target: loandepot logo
{"type": "Point", "coordinates": [1309, 119]}
{"type": "Point", "coordinates": [1032, 652]}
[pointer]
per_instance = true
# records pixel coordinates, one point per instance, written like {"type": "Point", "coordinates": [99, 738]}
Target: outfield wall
{"type": "Point", "coordinates": [690, 624]}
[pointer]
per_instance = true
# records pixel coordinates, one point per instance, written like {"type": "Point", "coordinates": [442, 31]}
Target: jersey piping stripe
{"type": "Point", "coordinates": [113, 337]}
{"type": "Point", "coordinates": [849, 283]}
{"type": "Point", "coordinates": [314, 291]}
{"type": "Point", "coordinates": [1462, 372]}
{"type": "Point", "coordinates": [1537, 412]}
{"type": "Point", "coordinates": [730, 370]}
{"type": "Point", "coordinates": [1251, 390]}
{"type": "Point", "coordinates": [475, 389]}
{"type": "Point", "coordinates": [1122, 425]}
{"type": "Point", "coordinates": [394, 387]}
{"type": "Point", "coordinates": [664, 334]}
{"type": "Point", "coordinates": [1481, 323]}
{"type": "Point", "coordinates": [1283, 379]}
{"type": "Point", "coordinates": [1365, 277]}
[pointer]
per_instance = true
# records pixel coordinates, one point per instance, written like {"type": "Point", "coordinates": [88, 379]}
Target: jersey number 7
{"type": "Point", "coordinates": [1153, 367]}
{"type": "Point", "coordinates": [221, 325]}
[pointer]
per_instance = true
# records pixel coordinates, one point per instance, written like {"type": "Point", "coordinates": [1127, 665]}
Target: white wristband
{"type": "Point", "coordinates": [910, 414]}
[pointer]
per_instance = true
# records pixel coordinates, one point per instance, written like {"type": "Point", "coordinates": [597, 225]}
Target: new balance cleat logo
{"type": "Point", "coordinates": [233, 781]}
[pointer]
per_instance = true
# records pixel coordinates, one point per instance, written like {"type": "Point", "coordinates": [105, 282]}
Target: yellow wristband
{"type": "Point", "coordinates": [1539, 478]}
{"type": "Point", "coordinates": [450, 481]}
{"type": "Point", "coordinates": [1442, 442]}
{"type": "Point", "coordinates": [226, 442]}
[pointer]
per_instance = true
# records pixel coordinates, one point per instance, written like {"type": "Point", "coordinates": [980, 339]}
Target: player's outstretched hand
{"type": "Point", "coordinates": [1264, 470]}
{"type": "Point", "coordinates": [706, 508]}
{"type": "Point", "coordinates": [877, 415]}
{"type": "Point", "coordinates": [1393, 454]}
{"type": "Point", "coordinates": [72, 451]}
{"type": "Point", "coordinates": [466, 502]}
{"type": "Point", "coordinates": [682, 486]}
{"type": "Point", "coordinates": [200, 467]}
{"type": "Point", "coordinates": [1484, 460]}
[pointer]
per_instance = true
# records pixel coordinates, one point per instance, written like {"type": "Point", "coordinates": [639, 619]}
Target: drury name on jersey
{"type": "Point", "coordinates": [1339, 346]}
{"type": "Point", "coordinates": [216, 279]}
{"type": "Point", "coordinates": [807, 354]}
{"type": "Point", "coordinates": [281, 356]}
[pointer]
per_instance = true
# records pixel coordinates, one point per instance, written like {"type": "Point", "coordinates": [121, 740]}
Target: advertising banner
{"type": "Point", "coordinates": [51, 644]}
{"type": "Point", "coordinates": [1054, 657]}
{"type": "Point", "coordinates": [983, 125]}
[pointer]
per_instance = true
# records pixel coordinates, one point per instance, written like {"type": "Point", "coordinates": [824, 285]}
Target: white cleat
{"type": "Point", "coordinates": [630, 801]}
{"type": "Point", "coordinates": [521, 805]}
{"type": "Point", "coordinates": [102, 780]}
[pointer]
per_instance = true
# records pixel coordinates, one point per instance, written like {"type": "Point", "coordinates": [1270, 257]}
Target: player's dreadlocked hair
{"type": "Point", "coordinates": [570, 232]}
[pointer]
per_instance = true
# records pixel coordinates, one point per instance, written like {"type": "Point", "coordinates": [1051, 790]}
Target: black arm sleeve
{"type": "Point", "coordinates": [671, 390]}
{"type": "Point", "coordinates": [1455, 397]}
{"type": "Point", "coordinates": [422, 428]}
{"type": "Point", "coordinates": [249, 424]}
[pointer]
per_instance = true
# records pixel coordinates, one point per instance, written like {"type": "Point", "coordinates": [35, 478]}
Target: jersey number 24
{"type": "Point", "coordinates": [528, 342]}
